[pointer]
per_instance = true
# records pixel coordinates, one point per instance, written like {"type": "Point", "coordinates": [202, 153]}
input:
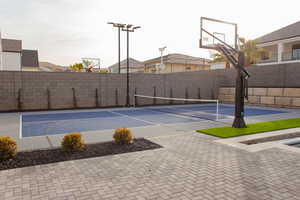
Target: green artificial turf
{"type": "Point", "coordinates": [227, 132]}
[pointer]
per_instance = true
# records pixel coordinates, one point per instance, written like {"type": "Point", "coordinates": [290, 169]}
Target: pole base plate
{"type": "Point", "coordinates": [239, 122]}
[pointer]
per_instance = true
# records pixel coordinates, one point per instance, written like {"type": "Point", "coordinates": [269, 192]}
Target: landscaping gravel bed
{"type": "Point", "coordinates": [38, 157]}
{"type": "Point", "coordinates": [271, 138]}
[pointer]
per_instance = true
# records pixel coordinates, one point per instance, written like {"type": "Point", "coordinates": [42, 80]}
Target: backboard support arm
{"type": "Point", "coordinates": [237, 59]}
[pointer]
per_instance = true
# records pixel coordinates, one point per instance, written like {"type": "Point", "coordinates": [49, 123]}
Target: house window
{"type": "Point", "coordinates": [187, 68]}
{"type": "Point", "coordinates": [296, 52]}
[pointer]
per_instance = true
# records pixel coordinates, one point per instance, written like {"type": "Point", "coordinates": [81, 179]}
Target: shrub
{"type": "Point", "coordinates": [8, 147]}
{"type": "Point", "coordinates": [72, 142]}
{"type": "Point", "coordinates": [123, 136]}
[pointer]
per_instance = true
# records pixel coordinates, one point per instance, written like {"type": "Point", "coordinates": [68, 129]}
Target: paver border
{"type": "Point", "coordinates": [236, 141]}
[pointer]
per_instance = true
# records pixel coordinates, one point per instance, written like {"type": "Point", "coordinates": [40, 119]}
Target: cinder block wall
{"type": "Point", "coordinates": [67, 90]}
{"type": "Point", "coordinates": [276, 97]}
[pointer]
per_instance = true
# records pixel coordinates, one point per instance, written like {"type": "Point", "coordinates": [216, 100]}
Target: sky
{"type": "Point", "coordinates": [64, 31]}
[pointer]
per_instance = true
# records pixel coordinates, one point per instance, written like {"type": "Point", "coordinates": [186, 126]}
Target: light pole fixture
{"type": "Point", "coordinates": [128, 28]}
{"type": "Point", "coordinates": [161, 56]}
{"type": "Point", "coordinates": [119, 26]}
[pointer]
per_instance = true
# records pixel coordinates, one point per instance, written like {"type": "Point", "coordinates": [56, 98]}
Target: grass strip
{"type": "Point", "coordinates": [260, 127]}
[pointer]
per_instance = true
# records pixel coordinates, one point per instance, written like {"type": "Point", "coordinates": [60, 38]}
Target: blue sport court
{"type": "Point", "coordinates": [52, 123]}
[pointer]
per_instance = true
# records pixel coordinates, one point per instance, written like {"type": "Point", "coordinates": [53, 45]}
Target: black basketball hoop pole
{"type": "Point", "coordinates": [237, 59]}
{"type": "Point", "coordinates": [241, 86]}
{"type": "Point", "coordinates": [240, 94]}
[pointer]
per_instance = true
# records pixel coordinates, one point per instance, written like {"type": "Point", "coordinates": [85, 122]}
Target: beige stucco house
{"type": "Point", "coordinates": [281, 46]}
{"type": "Point", "coordinates": [176, 63]}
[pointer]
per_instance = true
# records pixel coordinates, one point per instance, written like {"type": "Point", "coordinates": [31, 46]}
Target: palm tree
{"type": "Point", "coordinates": [252, 52]}
{"type": "Point", "coordinates": [77, 67]}
{"type": "Point", "coordinates": [219, 57]}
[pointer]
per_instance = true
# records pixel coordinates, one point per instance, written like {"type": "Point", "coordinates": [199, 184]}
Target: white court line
{"type": "Point", "coordinates": [123, 115]}
{"type": "Point", "coordinates": [193, 117]}
{"type": "Point", "coordinates": [168, 113]}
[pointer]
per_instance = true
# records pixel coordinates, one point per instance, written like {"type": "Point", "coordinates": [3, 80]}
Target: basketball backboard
{"type": "Point", "coordinates": [213, 31]}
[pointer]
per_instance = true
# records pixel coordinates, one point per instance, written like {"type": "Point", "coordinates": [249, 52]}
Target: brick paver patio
{"type": "Point", "coordinates": [188, 167]}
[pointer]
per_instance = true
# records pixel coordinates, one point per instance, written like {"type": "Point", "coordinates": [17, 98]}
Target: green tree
{"type": "Point", "coordinates": [77, 67]}
{"type": "Point", "coordinates": [252, 52]}
{"type": "Point", "coordinates": [86, 63]}
{"type": "Point", "coordinates": [105, 70]}
{"type": "Point", "coordinates": [219, 57]}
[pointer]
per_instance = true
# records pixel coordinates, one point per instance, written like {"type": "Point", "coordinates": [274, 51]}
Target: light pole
{"type": "Point", "coordinates": [119, 26]}
{"type": "Point", "coordinates": [128, 28]}
{"type": "Point", "coordinates": [161, 56]}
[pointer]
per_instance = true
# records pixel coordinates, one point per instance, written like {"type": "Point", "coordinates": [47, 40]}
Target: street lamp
{"type": "Point", "coordinates": [161, 56]}
{"type": "Point", "coordinates": [128, 28]}
{"type": "Point", "coordinates": [119, 26]}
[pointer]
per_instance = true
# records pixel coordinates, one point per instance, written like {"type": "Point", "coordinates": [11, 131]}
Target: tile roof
{"type": "Point", "coordinates": [177, 58]}
{"type": "Point", "coordinates": [132, 64]}
{"type": "Point", "coordinates": [290, 31]}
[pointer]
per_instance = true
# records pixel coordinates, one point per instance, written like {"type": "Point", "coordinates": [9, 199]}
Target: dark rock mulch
{"type": "Point", "coordinates": [271, 138]}
{"type": "Point", "coordinates": [39, 157]}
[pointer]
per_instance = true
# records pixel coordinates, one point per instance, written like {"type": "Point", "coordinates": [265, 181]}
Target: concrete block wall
{"type": "Point", "coordinates": [63, 90]}
{"type": "Point", "coordinates": [276, 97]}
{"type": "Point", "coordinates": [269, 85]}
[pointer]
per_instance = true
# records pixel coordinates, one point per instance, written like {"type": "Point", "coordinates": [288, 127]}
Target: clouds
{"type": "Point", "coordinates": [64, 31]}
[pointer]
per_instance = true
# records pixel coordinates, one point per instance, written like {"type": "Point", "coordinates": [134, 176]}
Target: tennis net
{"type": "Point", "coordinates": [196, 108]}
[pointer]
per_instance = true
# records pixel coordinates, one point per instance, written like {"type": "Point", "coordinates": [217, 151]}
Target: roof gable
{"type": "Point", "coordinates": [132, 64]}
{"type": "Point", "coordinates": [176, 58]}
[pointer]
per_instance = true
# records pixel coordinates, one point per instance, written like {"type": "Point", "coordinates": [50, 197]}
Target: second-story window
{"type": "Point", "coordinates": [296, 52]}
